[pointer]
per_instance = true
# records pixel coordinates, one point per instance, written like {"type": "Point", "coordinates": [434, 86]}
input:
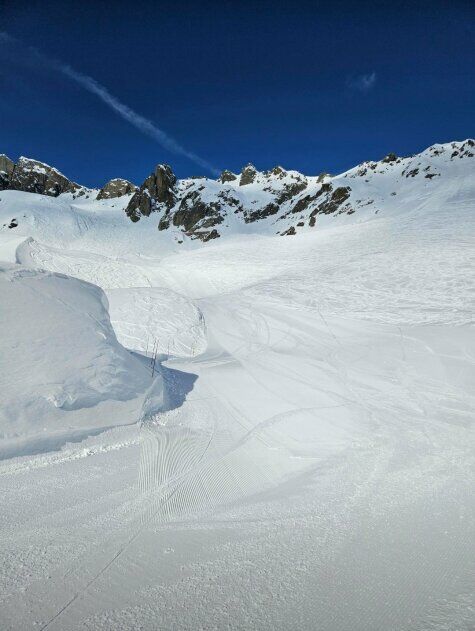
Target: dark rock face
{"type": "Point", "coordinates": [6, 170]}
{"type": "Point", "coordinates": [261, 213]}
{"type": "Point", "coordinates": [157, 189]}
{"type": "Point", "coordinates": [116, 188]}
{"type": "Point", "coordinates": [227, 176]}
{"type": "Point", "coordinates": [290, 231]}
{"type": "Point", "coordinates": [333, 202]}
{"type": "Point", "coordinates": [391, 157]}
{"type": "Point", "coordinates": [290, 191]}
{"type": "Point", "coordinates": [207, 236]}
{"type": "Point", "coordinates": [248, 175]}
{"type": "Point", "coordinates": [32, 176]}
{"type": "Point", "coordinates": [193, 213]}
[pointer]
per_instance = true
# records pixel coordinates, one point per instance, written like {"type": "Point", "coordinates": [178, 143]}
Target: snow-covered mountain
{"type": "Point", "coordinates": [271, 202]}
{"type": "Point", "coordinates": [268, 372]}
{"type": "Point", "coordinates": [284, 202]}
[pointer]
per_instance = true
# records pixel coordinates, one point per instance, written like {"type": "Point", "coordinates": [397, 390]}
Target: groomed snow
{"type": "Point", "coordinates": [311, 465]}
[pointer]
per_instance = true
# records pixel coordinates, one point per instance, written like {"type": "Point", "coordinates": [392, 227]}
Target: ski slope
{"type": "Point", "coordinates": [304, 460]}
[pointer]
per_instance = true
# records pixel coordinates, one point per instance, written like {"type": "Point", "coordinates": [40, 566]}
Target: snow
{"type": "Point", "coordinates": [60, 360]}
{"type": "Point", "coordinates": [304, 459]}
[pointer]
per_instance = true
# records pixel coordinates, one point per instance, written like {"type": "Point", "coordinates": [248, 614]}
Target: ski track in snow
{"type": "Point", "coordinates": [313, 468]}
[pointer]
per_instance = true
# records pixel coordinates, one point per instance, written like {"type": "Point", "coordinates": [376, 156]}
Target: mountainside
{"type": "Point", "coordinates": [278, 201]}
{"type": "Point", "coordinates": [32, 176]}
{"type": "Point", "coordinates": [283, 202]}
{"type": "Point", "coordinates": [298, 409]}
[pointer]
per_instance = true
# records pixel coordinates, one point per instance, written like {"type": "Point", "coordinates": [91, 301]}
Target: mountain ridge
{"type": "Point", "coordinates": [283, 201]}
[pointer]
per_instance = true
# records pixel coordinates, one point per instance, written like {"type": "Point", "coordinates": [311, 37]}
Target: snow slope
{"type": "Point", "coordinates": [312, 467]}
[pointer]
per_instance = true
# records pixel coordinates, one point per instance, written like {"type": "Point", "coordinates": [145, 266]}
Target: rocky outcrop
{"type": "Point", "coordinates": [116, 188]}
{"type": "Point", "coordinates": [248, 175]}
{"type": "Point", "coordinates": [156, 191]}
{"type": "Point", "coordinates": [227, 176]}
{"type": "Point", "coordinates": [32, 176]}
{"type": "Point", "coordinates": [6, 169]}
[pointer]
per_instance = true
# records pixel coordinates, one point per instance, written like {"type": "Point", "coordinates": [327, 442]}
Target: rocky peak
{"type": "Point", "coordinates": [278, 171]}
{"type": "Point", "coordinates": [391, 157]}
{"type": "Point", "coordinates": [116, 188]}
{"type": "Point", "coordinates": [227, 176]}
{"type": "Point", "coordinates": [32, 176]}
{"type": "Point", "coordinates": [157, 189]}
{"type": "Point", "coordinates": [248, 175]}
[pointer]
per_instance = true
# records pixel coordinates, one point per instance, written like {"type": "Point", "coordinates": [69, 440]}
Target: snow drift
{"type": "Point", "coordinates": [59, 357]}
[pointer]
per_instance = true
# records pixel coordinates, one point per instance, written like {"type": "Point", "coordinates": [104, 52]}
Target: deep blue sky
{"type": "Point", "coordinates": [311, 86]}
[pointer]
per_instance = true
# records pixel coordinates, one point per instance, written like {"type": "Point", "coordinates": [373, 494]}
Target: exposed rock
{"type": "Point", "coordinates": [261, 213]}
{"type": "Point", "coordinates": [303, 203]}
{"type": "Point", "coordinates": [6, 170]}
{"type": "Point", "coordinates": [278, 172]}
{"type": "Point", "coordinates": [391, 157]}
{"type": "Point", "coordinates": [291, 190]}
{"type": "Point", "coordinates": [157, 189]}
{"type": "Point", "coordinates": [32, 176]}
{"type": "Point", "coordinates": [116, 188]}
{"type": "Point", "coordinates": [290, 231]}
{"type": "Point", "coordinates": [192, 211]}
{"type": "Point", "coordinates": [227, 176]}
{"type": "Point", "coordinates": [207, 236]}
{"type": "Point", "coordinates": [248, 175]}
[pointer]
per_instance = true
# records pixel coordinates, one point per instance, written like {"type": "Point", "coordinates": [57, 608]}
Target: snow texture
{"type": "Point", "coordinates": [304, 459]}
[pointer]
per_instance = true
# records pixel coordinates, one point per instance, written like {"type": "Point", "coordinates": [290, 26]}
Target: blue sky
{"type": "Point", "coordinates": [311, 86]}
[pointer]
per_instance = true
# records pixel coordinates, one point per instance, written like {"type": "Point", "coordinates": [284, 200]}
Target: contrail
{"type": "Point", "coordinates": [91, 85]}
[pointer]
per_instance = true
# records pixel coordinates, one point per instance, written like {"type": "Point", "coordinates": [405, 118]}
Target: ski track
{"type": "Point", "coordinates": [317, 474]}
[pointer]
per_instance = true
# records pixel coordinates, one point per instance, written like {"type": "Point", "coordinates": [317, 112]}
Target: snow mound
{"type": "Point", "coordinates": [59, 357]}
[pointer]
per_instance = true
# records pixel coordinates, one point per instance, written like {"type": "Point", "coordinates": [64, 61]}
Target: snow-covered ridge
{"type": "Point", "coordinates": [284, 201]}
{"type": "Point", "coordinates": [273, 202]}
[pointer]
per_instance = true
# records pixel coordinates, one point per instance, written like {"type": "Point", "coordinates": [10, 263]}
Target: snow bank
{"type": "Point", "coordinates": [60, 358]}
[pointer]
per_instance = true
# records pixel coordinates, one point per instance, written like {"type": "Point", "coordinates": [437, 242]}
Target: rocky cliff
{"type": "Point", "coordinates": [32, 176]}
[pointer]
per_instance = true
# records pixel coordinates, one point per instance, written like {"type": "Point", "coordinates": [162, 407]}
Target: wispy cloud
{"type": "Point", "coordinates": [34, 56]}
{"type": "Point", "coordinates": [362, 82]}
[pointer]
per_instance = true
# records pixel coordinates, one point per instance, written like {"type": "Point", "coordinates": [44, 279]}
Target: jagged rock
{"type": "Point", "coordinates": [391, 157]}
{"type": "Point", "coordinates": [227, 176]}
{"type": "Point", "coordinates": [32, 176]}
{"type": "Point", "coordinates": [278, 171]}
{"type": "Point", "coordinates": [290, 231]}
{"type": "Point", "coordinates": [193, 213]}
{"type": "Point", "coordinates": [207, 236]}
{"type": "Point", "coordinates": [116, 188]}
{"type": "Point", "coordinates": [261, 213]}
{"type": "Point", "coordinates": [291, 190]}
{"type": "Point", "coordinates": [157, 189]}
{"type": "Point", "coordinates": [248, 175]}
{"type": "Point", "coordinates": [6, 170]}
{"type": "Point", "coordinates": [303, 203]}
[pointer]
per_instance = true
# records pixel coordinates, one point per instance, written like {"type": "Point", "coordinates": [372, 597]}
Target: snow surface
{"type": "Point", "coordinates": [304, 460]}
{"type": "Point", "coordinates": [60, 358]}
